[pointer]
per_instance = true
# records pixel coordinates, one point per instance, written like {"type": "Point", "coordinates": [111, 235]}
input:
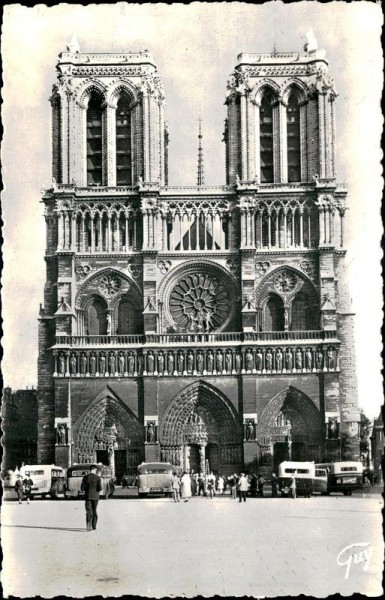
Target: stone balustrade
{"type": "Point", "coordinates": [196, 361]}
{"type": "Point", "coordinates": [156, 339]}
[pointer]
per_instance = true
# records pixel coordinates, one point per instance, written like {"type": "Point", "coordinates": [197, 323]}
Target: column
{"type": "Point", "coordinates": [301, 227]}
{"type": "Point", "coordinates": [331, 225]}
{"type": "Point", "coordinates": [60, 230]}
{"type": "Point", "coordinates": [172, 237]}
{"type": "Point", "coordinates": [285, 227]}
{"type": "Point", "coordinates": [321, 225]}
{"type": "Point", "coordinates": [342, 214]}
{"type": "Point", "coordinates": [309, 228]}
{"type": "Point", "coordinates": [189, 225]}
{"type": "Point", "coordinates": [269, 230]}
{"type": "Point", "coordinates": [164, 227]}
{"type": "Point", "coordinates": [293, 213]}
{"type": "Point", "coordinates": [126, 231]}
{"type": "Point", "coordinates": [82, 235]}
{"type": "Point", "coordinates": [108, 233]}
{"type": "Point", "coordinates": [205, 229]}
{"type": "Point", "coordinates": [243, 228]}
{"type": "Point", "coordinates": [92, 224]}
{"type": "Point", "coordinates": [277, 229]}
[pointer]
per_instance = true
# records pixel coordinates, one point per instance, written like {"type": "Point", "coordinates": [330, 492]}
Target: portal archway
{"type": "Point", "coordinates": [290, 429]}
{"type": "Point", "coordinates": [200, 431]}
{"type": "Point", "coordinates": [110, 433]}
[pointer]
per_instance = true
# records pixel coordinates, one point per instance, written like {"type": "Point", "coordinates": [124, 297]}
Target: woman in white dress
{"type": "Point", "coordinates": [186, 486]}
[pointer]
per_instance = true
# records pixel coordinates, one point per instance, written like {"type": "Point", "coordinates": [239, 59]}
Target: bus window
{"type": "Point", "coordinates": [348, 469]}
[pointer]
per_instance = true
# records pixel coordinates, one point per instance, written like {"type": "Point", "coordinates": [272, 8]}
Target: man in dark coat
{"type": "Point", "coordinates": [91, 485]}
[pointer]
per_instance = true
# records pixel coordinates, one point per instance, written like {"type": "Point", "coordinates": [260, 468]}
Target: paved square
{"type": "Point", "coordinates": [265, 547]}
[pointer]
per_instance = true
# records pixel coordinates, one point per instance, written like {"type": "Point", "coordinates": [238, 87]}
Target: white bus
{"type": "Point", "coordinates": [302, 472]}
{"type": "Point", "coordinates": [47, 479]}
{"type": "Point", "coordinates": [343, 477]}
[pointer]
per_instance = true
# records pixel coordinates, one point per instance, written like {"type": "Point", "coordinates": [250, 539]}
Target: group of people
{"type": "Point", "coordinates": [23, 487]}
{"type": "Point", "coordinates": [210, 485]}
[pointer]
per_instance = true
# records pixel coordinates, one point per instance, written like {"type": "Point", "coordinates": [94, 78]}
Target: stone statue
{"type": "Point", "coordinates": [131, 364]}
{"type": "Point", "coordinates": [250, 435]}
{"type": "Point", "coordinates": [311, 42]}
{"type": "Point", "coordinates": [150, 362]}
{"type": "Point", "coordinates": [109, 324]}
{"type": "Point", "coordinates": [259, 360]}
{"type": "Point", "coordinates": [190, 362]}
{"type": "Point", "coordinates": [112, 364]}
{"type": "Point", "coordinates": [180, 362]}
{"type": "Point", "coordinates": [309, 359]}
{"type": "Point", "coordinates": [93, 364]}
{"type": "Point", "coordinates": [249, 361]}
{"type": "Point", "coordinates": [238, 362]}
{"type": "Point", "coordinates": [62, 367]}
{"type": "Point", "coordinates": [61, 435]}
{"type": "Point", "coordinates": [200, 362]}
{"type": "Point", "coordinates": [170, 363]}
{"type": "Point", "coordinates": [289, 360]}
{"type": "Point", "coordinates": [269, 361]}
{"type": "Point", "coordinates": [286, 319]}
{"type": "Point", "coordinates": [102, 364]}
{"type": "Point", "coordinates": [278, 360]}
{"type": "Point", "coordinates": [330, 357]}
{"type": "Point", "coordinates": [333, 428]}
{"type": "Point", "coordinates": [160, 363]}
{"type": "Point", "coordinates": [219, 362]}
{"type": "Point", "coordinates": [210, 362]}
{"type": "Point", "coordinates": [208, 321]}
{"type": "Point", "coordinates": [121, 364]}
{"type": "Point", "coordinates": [73, 364]}
{"type": "Point", "coordinates": [319, 359]}
{"type": "Point", "coordinates": [140, 364]}
{"type": "Point", "coordinates": [83, 364]}
{"type": "Point", "coordinates": [298, 360]}
{"type": "Point", "coordinates": [151, 432]}
{"type": "Point", "coordinates": [228, 362]}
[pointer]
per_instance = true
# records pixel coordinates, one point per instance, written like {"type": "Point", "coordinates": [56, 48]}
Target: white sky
{"type": "Point", "coordinates": [195, 48]}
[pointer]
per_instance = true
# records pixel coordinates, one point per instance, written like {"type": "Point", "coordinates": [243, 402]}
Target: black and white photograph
{"type": "Point", "coordinates": [192, 300]}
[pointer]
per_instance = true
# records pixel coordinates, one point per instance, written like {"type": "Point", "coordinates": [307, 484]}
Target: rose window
{"type": "Point", "coordinates": [109, 285]}
{"type": "Point", "coordinates": [285, 282]}
{"type": "Point", "coordinates": [199, 303]}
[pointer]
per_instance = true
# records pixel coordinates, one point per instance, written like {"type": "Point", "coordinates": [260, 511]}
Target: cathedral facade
{"type": "Point", "coordinates": [205, 326]}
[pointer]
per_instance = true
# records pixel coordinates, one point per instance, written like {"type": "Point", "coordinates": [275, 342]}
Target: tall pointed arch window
{"type": "Point", "coordinates": [266, 138]}
{"type": "Point", "coordinates": [293, 139]}
{"type": "Point", "coordinates": [94, 141]}
{"type": "Point", "coordinates": [123, 141]}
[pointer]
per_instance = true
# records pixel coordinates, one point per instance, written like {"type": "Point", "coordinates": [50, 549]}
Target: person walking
{"type": "Point", "coordinates": [221, 484]}
{"type": "Point", "coordinates": [19, 488]}
{"type": "Point", "coordinates": [175, 483]}
{"type": "Point", "coordinates": [243, 485]}
{"type": "Point", "coordinates": [261, 483]}
{"type": "Point", "coordinates": [274, 485]}
{"type": "Point", "coordinates": [92, 486]}
{"type": "Point", "coordinates": [211, 485]}
{"type": "Point", "coordinates": [293, 488]}
{"type": "Point", "coordinates": [27, 486]}
{"type": "Point", "coordinates": [186, 486]}
{"type": "Point", "coordinates": [201, 485]}
{"type": "Point", "coordinates": [234, 483]}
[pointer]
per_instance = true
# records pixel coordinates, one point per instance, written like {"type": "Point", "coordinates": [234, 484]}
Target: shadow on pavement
{"type": "Point", "coordinates": [53, 528]}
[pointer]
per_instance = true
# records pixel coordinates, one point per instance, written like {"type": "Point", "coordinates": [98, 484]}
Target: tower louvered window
{"type": "Point", "coordinates": [123, 142]}
{"type": "Point", "coordinates": [94, 141]}
{"type": "Point", "coordinates": [266, 138]}
{"type": "Point", "coordinates": [293, 140]}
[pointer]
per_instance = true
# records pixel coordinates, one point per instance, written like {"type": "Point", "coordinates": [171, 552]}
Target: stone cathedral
{"type": "Point", "coordinates": [205, 326]}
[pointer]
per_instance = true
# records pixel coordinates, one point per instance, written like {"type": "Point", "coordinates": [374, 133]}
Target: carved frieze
{"type": "Point", "coordinates": [164, 266]}
{"type": "Point", "coordinates": [309, 267]}
{"type": "Point", "coordinates": [134, 268]}
{"type": "Point", "coordinates": [261, 268]}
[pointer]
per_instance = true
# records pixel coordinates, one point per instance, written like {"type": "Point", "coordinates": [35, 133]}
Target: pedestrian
{"type": "Point", "coordinates": [19, 488]}
{"type": "Point", "coordinates": [186, 486]}
{"type": "Point", "coordinates": [27, 486]}
{"type": "Point", "coordinates": [91, 485]}
{"type": "Point", "coordinates": [243, 485]}
{"type": "Point", "coordinates": [175, 483]}
{"type": "Point", "coordinates": [234, 483]}
{"type": "Point", "coordinates": [261, 483]}
{"type": "Point", "coordinates": [194, 483]}
{"type": "Point", "coordinates": [274, 485]}
{"type": "Point", "coordinates": [293, 488]}
{"type": "Point", "coordinates": [201, 485]}
{"type": "Point", "coordinates": [253, 485]}
{"type": "Point", "coordinates": [211, 485]}
{"type": "Point", "coordinates": [221, 484]}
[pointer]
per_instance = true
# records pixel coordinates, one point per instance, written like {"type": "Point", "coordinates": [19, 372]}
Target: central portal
{"type": "Point", "coordinates": [200, 431]}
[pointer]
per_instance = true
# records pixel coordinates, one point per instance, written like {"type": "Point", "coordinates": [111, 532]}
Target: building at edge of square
{"type": "Point", "coordinates": [205, 326]}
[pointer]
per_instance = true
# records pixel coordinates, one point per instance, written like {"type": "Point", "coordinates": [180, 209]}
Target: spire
{"type": "Point", "coordinates": [200, 177]}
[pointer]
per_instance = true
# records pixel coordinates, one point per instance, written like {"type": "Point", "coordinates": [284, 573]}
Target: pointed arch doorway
{"type": "Point", "coordinates": [290, 429]}
{"type": "Point", "coordinates": [200, 431]}
{"type": "Point", "coordinates": [108, 432]}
